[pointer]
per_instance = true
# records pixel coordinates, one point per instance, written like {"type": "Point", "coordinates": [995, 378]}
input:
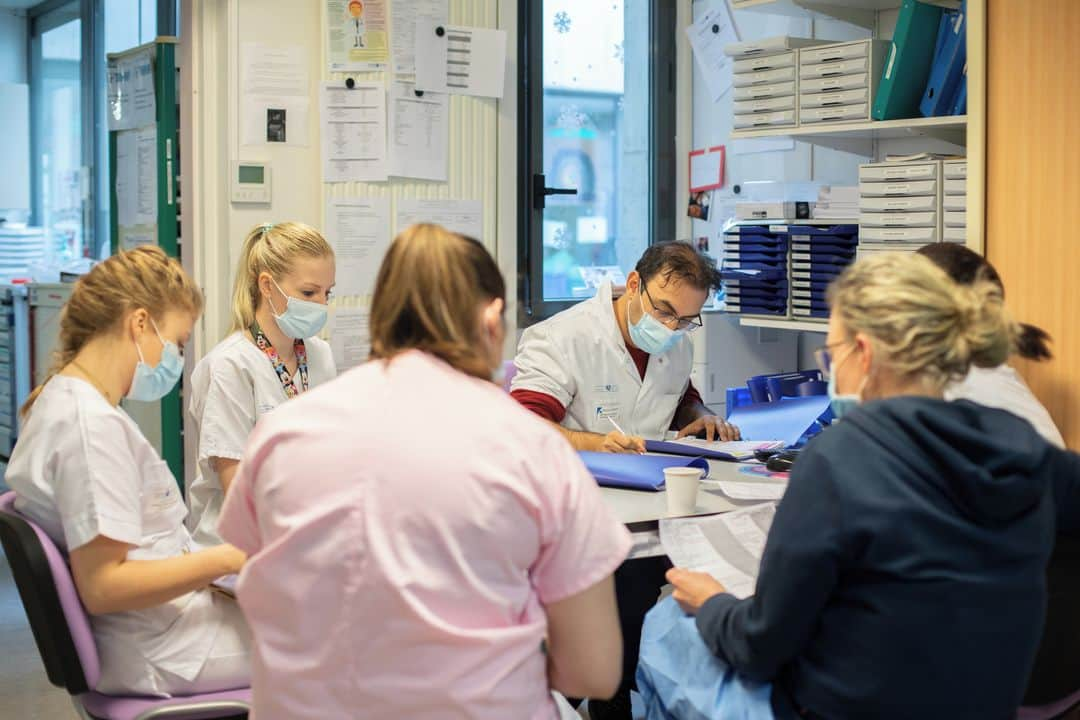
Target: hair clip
{"type": "Point", "coordinates": [267, 227]}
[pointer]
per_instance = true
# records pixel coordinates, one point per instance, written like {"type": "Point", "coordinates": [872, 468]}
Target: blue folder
{"type": "Point", "coordinates": [947, 68]}
{"type": "Point", "coordinates": [785, 420]}
{"type": "Point", "coordinates": [637, 472]}
{"type": "Point", "coordinates": [743, 274]}
{"type": "Point", "coordinates": [960, 103]}
{"type": "Point", "coordinates": [826, 247]}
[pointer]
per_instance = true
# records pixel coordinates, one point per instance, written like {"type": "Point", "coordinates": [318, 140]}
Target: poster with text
{"type": "Point", "coordinates": [356, 35]}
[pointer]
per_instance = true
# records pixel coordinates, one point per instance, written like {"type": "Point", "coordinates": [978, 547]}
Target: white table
{"type": "Point", "coordinates": [641, 510]}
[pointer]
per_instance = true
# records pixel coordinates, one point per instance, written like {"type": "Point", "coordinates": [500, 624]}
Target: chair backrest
{"type": "Point", "coordinates": [509, 371]}
{"type": "Point", "coordinates": [1056, 672]}
{"type": "Point", "coordinates": [57, 617]}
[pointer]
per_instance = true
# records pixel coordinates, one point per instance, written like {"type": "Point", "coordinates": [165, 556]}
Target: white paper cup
{"type": "Point", "coordinates": [682, 484]}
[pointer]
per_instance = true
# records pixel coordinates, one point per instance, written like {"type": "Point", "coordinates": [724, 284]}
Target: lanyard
{"type": "Point", "coordinates": [279, 365]}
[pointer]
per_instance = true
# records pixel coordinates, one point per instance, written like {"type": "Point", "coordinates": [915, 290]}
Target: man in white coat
{"type": "Point", "coordinates": [611, 365]}
{"type": "Point", "coordinates": [608, 366]}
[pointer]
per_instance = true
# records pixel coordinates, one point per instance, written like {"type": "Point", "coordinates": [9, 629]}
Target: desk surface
{"type": "Point", "coordinates": [642, 510]}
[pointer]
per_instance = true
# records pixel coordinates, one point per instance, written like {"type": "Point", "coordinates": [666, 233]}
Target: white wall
{"type": "Point", "coordinates": [14, 35]}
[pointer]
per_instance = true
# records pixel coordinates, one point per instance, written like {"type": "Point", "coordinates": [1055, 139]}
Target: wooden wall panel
{"type": "Point", "coordinates": [1033, 184]}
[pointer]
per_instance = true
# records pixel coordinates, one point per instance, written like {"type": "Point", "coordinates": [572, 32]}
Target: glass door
{"type": "Point", "coordinates": [58, 163]}
{"type": "Point", "coordinates": [596, 128]}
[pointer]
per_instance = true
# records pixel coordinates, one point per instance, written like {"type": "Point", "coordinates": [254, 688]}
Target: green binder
{"type": "Point", "coordinates": [907, 65]}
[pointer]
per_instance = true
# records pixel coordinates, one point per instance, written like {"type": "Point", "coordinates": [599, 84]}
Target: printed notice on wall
{"type": "Point", "coordinates": [460, 60]}
{"type": "Point", "coordinates": [356, 35]}
{"type": "Point", "coordinates": [360, 229]}
{"type": "Point", "coordinates": [354, 132]}
{"type": "Point", "coordinates": [274, 105]}
{"type": "Point", "coordinates": [464, 217]}
{"type": "Point", "coordinates": [350, 337]}
{"type": "Point", "coordinates": [404, 14]}
{"type": "Point", "coordinates": [130, 79]}
{"type": "Point", "coordinates": [419, 132]}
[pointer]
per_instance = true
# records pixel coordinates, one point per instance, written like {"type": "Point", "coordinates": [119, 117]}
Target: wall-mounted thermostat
{"type": "Point", "coordinates": [251, 182]}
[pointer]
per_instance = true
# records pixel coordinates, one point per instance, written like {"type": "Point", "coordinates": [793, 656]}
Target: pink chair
{"type": "Point", "coordinates": [61, 630]}
{"type": "Point", "coordinates": [509, 371]}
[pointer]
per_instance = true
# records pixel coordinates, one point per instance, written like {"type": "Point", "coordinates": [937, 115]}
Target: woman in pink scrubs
{"type": "Point", "coordinates": [420, 545]}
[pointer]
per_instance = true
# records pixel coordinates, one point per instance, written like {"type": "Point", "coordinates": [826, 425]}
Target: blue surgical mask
{"type": "Point", "coordinates": [153, 383]}
{"type": "Point", "coordinates": [843, 404]}
{"type": "Point", "coordinates": [302, 319]}
{"type": "Point", "coordinates": [649, 334]}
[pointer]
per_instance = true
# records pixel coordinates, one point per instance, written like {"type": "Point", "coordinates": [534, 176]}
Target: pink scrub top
{"type": "Point", "coordinates": [407, 524]}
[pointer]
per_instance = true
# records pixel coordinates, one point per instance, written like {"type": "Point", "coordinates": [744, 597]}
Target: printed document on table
{"type": "Point", "coordinates": [461, 61]}
{"type": "Point", "coordinates": [360, 231]}
{"type": "Point", "coordinates": [464, 217]}
{"type": "Point", "coordinates": [419, 132]}
{"type": "Point", "coordinates": [404, 16]}
{"type": "Point", "coordinates": [727, 546]}
{"type": "Point", "coordinates": [709, 45]}
{"type": "Point", "coordinates": [353, 132]}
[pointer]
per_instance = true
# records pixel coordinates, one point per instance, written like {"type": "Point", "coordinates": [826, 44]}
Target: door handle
{"type": "Point", "coordinates": [541, 191]}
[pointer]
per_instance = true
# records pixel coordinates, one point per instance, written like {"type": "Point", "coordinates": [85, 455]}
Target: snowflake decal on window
{"type": "Point", "coordinates": [562, 21]}
{"type": "Point", "coordinates": [571, 118]}
{"type": "Point", "coordinates": [619, 52]}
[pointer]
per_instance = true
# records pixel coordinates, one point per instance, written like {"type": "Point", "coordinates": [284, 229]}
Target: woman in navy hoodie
{"type": "Point", "coordinates": [904, 575]}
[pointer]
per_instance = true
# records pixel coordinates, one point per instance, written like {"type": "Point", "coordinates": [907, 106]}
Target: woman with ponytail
{"type": "Point", "coordinates": [85, 473]}
{"type": "Point", "coordinates": [421, 545]}
{"type": "Point", "coordinates": [282, 287]}
{"type": "Point", "coordinates": [1000, 386]}
{"type": "Point", "coordinates": [904, 573]}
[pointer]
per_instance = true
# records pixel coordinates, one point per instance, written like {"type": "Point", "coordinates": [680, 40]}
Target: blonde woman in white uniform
{"type": "Point", "coordinates": [1001, 386]}
{"type": "Point", "coordinates": [283, 284]}
{"type": "Point", "coordinates": [85, 473]}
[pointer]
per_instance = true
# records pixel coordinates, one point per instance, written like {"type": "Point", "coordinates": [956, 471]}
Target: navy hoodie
{"type": "Point", "coordinates": [904, 574]}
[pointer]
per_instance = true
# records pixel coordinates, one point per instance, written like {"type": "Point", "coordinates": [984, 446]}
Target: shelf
{"type": "Point", "coordinates": [801, 325]}
{"type": "Point", "coordinates": [845, 135]}
{"type": "Point", "coordinates": [856, 12]}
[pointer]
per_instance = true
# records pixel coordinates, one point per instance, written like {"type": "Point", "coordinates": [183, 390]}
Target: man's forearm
{"type": "Point", "coordinates": [580, 439]}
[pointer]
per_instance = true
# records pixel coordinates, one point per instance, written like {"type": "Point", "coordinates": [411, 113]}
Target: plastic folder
{"type": "Point", "coordinates": [948, 65]}
{"type": "Point", "coordinates": [637, 472]}
{"type": "Point", "coordinates": [785, 420]}
{"type": "Point", "coordinates": [732, 451]}
{"type": "Point", "coordinates": [907, 65]}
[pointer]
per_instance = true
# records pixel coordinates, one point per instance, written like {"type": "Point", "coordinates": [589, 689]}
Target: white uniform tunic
{"type": "Point", "coordinates": [82, 469]}
{"type": "Point", "coordinates": [579, 358]}
{"type": "Point", "coordinates": [231, 388]}
{"type": "Point", "coordinates": [1002, 387]}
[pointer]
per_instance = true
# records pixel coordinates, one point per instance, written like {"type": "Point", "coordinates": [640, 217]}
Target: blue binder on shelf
{"type": "Point", "coordinates": [636, 472]}
{"type": "Point", "coordinates": [947, 69]}
{"type": "Point", "coordinates": [960, 103]}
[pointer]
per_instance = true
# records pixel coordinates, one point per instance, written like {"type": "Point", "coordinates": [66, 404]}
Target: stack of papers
{"type": "Point", "coordinates": [727, 546]}
{"type": "Point", "coordinates": [837, 202]}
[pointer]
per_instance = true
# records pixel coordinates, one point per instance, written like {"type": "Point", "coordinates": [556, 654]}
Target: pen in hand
{"type": "Point", "coordinates": [620, 430]}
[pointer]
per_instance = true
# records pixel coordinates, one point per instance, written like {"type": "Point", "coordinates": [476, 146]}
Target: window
{"type": "Point", "coordinates": [597, 144]}
{"type": "Point", "coordinates": [69, 145]}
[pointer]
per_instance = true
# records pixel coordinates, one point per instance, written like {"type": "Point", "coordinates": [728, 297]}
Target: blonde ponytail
{"type": "Point", "coordinates": [270, 248]}
{"type": "Point", "coordinates": [144, 278]}
{"type": "Point", "coordinates": [926, 326]}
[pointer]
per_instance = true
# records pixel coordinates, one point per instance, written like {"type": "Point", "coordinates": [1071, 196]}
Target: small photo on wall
{"type": "Point", "coordinates": [699, 205]}
{"type": "Point", "coordinates": [275, 125]}
{"type": "Point", "coordinates": [703, 244]}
